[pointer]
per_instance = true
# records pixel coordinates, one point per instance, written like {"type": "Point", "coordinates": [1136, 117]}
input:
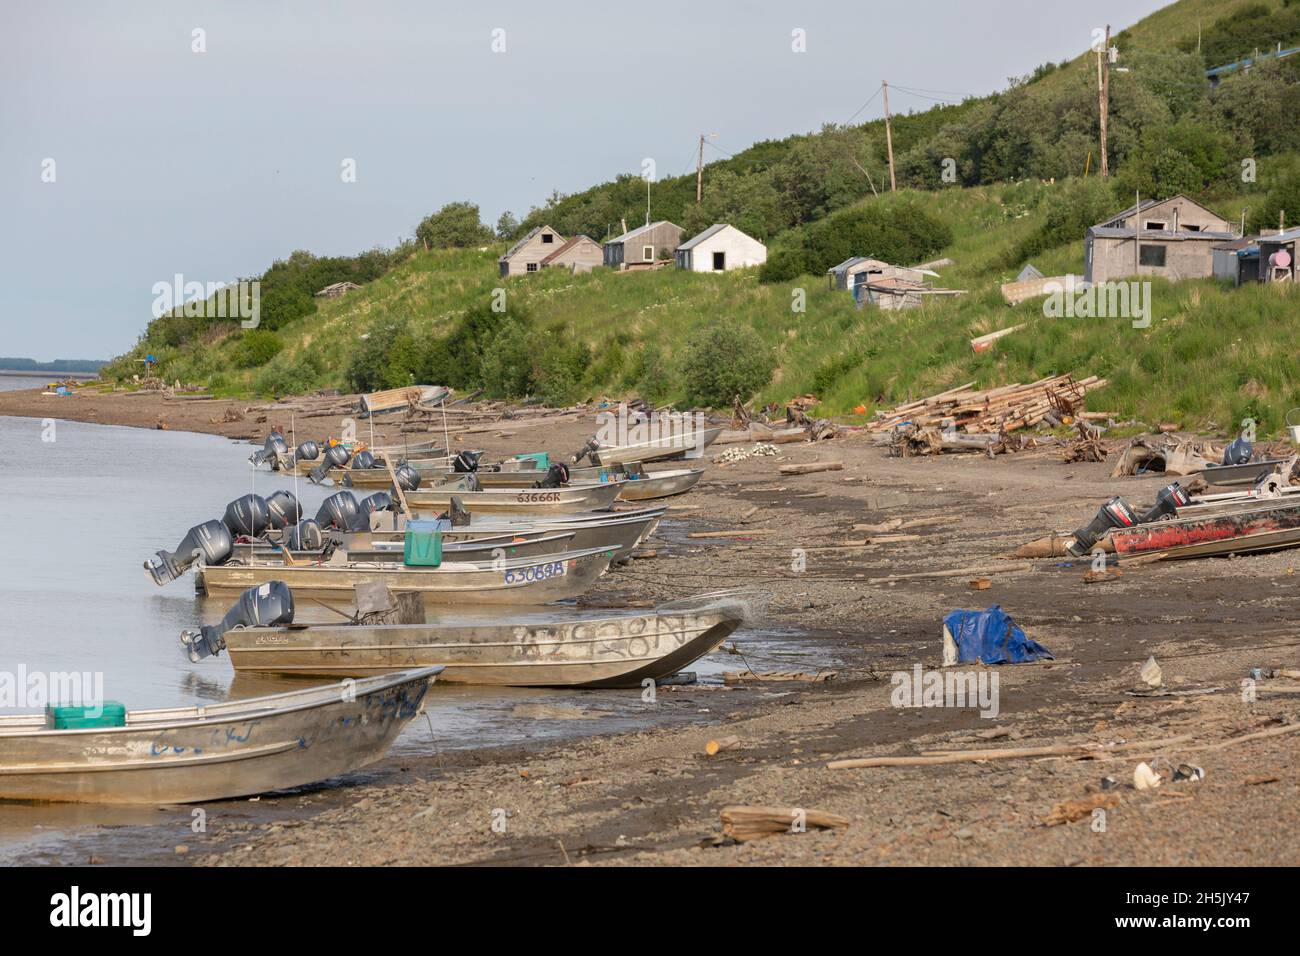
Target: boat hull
{"type": "Point", "coordinates": [552, 501]}
{"type": "Point", "coordinates": [608, 652]}
{"type": "Point", "coordinates": [1216, 531]}
{"type": "Point", "coordinates": [662, 484]}
{"type": "Point", "coordinates": [218, 752]}
{"type": "Point", "coordinates": [674, 446]}
{"type": "Point", "coordinates": [529, 581]}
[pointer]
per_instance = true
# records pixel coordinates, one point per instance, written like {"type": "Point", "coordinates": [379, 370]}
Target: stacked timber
{"type": "Point", "coordinates": [995, 410]}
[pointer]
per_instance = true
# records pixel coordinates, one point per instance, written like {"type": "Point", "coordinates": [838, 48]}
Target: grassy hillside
{"type": "Point", "coordinates": [1212, 355]}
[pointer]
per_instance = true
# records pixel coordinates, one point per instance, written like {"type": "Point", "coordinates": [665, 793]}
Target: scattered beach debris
{"type": "Point", "coordinates": [1150, 674]}
{"type": "Point", "coordinates": [716, 746]}
{"type": "Point", "coordinates": [987, 637]}
{"type": "Point", "coordinates": [742, 823]}
{"type": "Point", "coordinates": [731, 455]}
{"type": "Point", "coordinates": [1069, 811]}
{"type": "Point", "coordinates": [1001, 409]}
{"type": "Point", "coordinates": [1144, 778]}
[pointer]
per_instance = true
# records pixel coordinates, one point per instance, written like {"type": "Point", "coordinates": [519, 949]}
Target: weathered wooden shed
{"type": "Point", "coordinates": [853, 272]}
{"type": "Point", "coordinates": [527, 254]}
{"type": "Point", "coordinates": [579, 254]}
{"type": "Point", "coordinates": [720, 248]}
{"type": "Point", "coordinates": [644, 247]}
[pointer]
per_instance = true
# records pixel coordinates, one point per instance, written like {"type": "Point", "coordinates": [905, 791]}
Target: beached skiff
{"type": "Point", "coordinates": [672, 446]}
{"type": "Point", "coordinates": [533, 651]}
{"type": "Point", "coordinates": [564, 500]}
{"type": "Point", "coordinates": [213, 752]}
{"type": "Point", "coordinates": [486, 548]}
{"type": "Point", "coordinates": [1216, 529]}
{"type": "Point", "coordinates": [660, 484]}
{"type": "Point", "coordinates": [535, 580]}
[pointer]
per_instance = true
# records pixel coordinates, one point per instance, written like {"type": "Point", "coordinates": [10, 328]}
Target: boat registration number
{"type": "Point", "coordinates": [536, 572]}
{"type": "Point", "coordinates": [536, 497]}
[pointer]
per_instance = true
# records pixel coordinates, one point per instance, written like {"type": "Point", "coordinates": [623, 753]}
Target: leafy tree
{"type": "Point", "coordinates": [507, 225]}
{"type": "Point", "coordinates": [455, 226]}
{"type": "Point", "coordinates": [724, 360]}
{"type": "Point", "coordinates": [256, 347]}
{"type": "Point", "coordinates": [1187, 157]}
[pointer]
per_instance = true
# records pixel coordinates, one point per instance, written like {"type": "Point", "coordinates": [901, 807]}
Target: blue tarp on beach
{"type": "Point", "coordinates": [991, 637]}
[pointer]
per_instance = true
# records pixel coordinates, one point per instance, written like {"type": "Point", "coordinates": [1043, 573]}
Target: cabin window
{"type": "Point", "coordinates": [719, 261]}
{"type": "Point", "coordinates": [547, 237]}
{"type": "Point", "coordinates": [1152, 256]}
{"type": "Point", "coordinates": [532, 267]}
{"type": "Point", "coordinates": [648, 253]}
{"type": "Point", "coordinates": [1188, 228]}
{"type": "Point", "coordinates": [1157, 224]}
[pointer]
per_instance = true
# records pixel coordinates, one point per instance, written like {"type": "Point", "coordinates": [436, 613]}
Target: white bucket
{"type": "Point", "coordinates": [1293, 430]}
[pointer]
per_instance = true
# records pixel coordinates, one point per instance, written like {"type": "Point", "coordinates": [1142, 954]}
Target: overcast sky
{"type": "Point", "coordinates": [214, 164]}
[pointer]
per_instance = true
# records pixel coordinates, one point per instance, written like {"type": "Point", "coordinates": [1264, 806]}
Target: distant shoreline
{"type": "Point", "coordinates": [40, 373]}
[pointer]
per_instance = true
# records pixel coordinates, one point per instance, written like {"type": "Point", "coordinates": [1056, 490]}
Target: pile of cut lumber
{"type": "Point", "coordinates": [994, 410]}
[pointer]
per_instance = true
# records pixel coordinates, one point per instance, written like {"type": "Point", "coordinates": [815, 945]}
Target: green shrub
{"type": "Point", "coordinates": [1076, 205]}
{"type": "Point", "coordinates": [256, 347]}
{"type": "Point", "coordinates": [725, 360]}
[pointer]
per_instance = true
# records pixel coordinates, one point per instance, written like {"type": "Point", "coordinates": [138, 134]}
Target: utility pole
{"type": "Point", "coordinates": [699, 173]}
{"type": "Point", "coordinates": [1103, 98]}
{"type": "Point", "coordinates": [889, 137]}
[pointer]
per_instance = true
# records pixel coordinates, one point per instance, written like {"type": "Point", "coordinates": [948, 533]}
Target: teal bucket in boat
{"type": "Point", "coordinates": [422, 549]}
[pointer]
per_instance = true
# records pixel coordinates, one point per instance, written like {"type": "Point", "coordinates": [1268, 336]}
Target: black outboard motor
{"type": "Point", "coordinates": [1115, 513]}
{"type": "Point", "coordinates": [210, 541]}
{"type": "Point", "coordinates": [379, 501]}
{"type": "Point", "coordinates": [340, 512]}
{"type": "Point", "coordinates": [307, 451]}
{"type": "Point", "coordinates": [247, 515]}
{"type": "Point", "coordinates": [336, 456]}
{"type": "Point", "coordinates": [588, 449]}
{"type": "Point", "coordinates": [556, 476]}
{"type": "Point", "coordinates": [271, 449]}
{"type": "Point", "coordinates": [466, 461]}
{"type": "Point", "coordinates": [1238, 451]}
{"type": "Point", "coordinates": [1168, 500]}
{"type": "Point", "coordinates": [264, 605]}
{"type": "Point", "coordinates": [363, 459]}
{"type": "Point", "coordinates": [306, 535]}
{"type": "Point", "coordinates": [456, 514]}
{"type": "Point", "coordinates": [283, 510]}
{"type": "Point", "coordinates": [408, 479]}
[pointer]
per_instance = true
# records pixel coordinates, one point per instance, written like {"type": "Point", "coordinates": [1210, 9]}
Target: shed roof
{"type": "Point", "coordinates": [633, 233]}
{"type": "Point", "coordinates": [1163, 235]}
{"type": "Point", "coordinates": [713, 230]}
{"type": "Point", "coordinates": [566, 246]}
{"type": "Point", "coordinates": [1291, 235]}
{"type": "Point", "coordinates": [1148, 203]}
{"type": "Point", "coordinates": [522, 242]}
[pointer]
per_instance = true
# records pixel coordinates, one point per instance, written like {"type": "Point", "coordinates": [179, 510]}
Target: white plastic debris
{"type": "Point", "coordinates": [1144, 778]}
{"type": "Point", "coordinates": [1151, 674]}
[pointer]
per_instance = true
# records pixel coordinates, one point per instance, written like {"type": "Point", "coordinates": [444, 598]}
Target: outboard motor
{"type": "Point", "coordinates": [363, 459]}
{"type": "Point", "coordinates": [588, 449]}
{"type": "Point", "coordinates": [340, 512]}
{"type": "Point", "coordinates": [556, 476]}
{"type": "Point", "coordinates": [307, 451]}
{"type": "Point", "coordinates": [1238, 451]}
{"type": "Point", "coordinates": [283, 510]}
{"type": "Point", "coordinates": [264, 605]}
{"type": "Point", "coordinates": [408, 479]}
{"type": "Point", "coordinates": [1168, 500]}
{"type": "Point", "coordinates": [336, 456]}
{"type": "Point", "coordinates": [1115, 513]}
{"type": "Point", "coordinates": [466, 461]}
{"type": "Point", "coordinates": [247, 515]}
{"type": "Point", "coordinates": [456, 514]}
{"type": "Point", "coordinates": [379, 501]}
{"type": "Point", "coordinates": [210, 542]}
{"type": "Point", "coordinates": [271, 449]}
{"type": "Point", "coordinates": [306, 535]}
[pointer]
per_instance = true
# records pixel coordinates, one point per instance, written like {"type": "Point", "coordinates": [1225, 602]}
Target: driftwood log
{"type": "Point", "coordinates": [743, 823]}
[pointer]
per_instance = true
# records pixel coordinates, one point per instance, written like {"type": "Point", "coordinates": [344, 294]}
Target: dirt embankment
{"type": "Point", "coordinates": [651, 797]}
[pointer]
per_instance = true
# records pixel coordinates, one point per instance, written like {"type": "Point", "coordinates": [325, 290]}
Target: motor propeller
{"type": "Point", "coordinates": [264, 605]}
